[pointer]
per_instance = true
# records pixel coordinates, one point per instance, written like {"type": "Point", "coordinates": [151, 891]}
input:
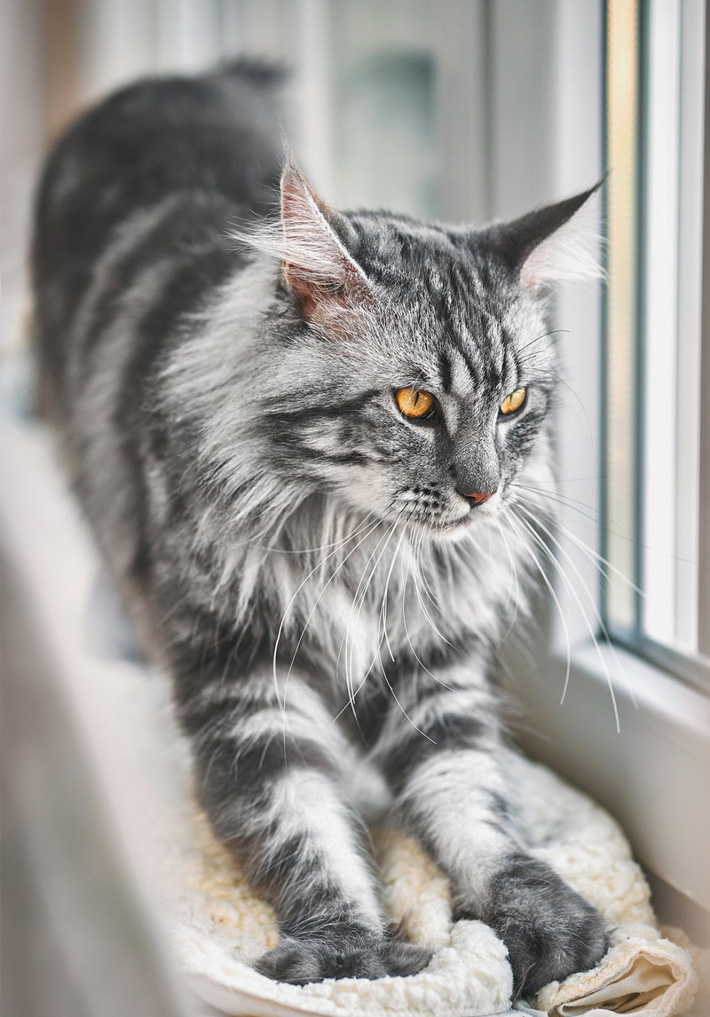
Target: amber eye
{"type": "Point", "coordinates": [513, 402]}
{"type": "Point", "coordinates": [413, 402]}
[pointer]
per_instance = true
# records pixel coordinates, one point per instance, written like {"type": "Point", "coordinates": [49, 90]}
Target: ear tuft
{"type": "Point", "coordinates": [552, 243]}
{"type": "Point", "coordinates": [315, 264]}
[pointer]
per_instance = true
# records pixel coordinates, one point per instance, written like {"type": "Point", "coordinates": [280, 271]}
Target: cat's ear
{"type": "Point", "coordinates": [555, 242]}
{"type": "Point", "coordinates": [316, 267]}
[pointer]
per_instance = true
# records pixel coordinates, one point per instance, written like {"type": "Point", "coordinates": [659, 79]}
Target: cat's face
{"type": "Point", "coordinates": [420, 377]}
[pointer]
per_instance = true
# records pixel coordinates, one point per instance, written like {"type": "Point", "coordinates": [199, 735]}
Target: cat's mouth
{"type": "Point", "coordinates": [454, 518]}
{"type": "Point", "coordinates": [452, 528]}
{"type": "Point", "coordinates": [478, 509]}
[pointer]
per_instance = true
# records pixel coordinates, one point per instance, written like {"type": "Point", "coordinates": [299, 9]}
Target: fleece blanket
{"type": "Point", "coordinates": [218, 927]}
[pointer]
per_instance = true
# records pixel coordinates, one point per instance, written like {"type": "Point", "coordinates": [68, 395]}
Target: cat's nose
{"type": "Point", "coordinates": [479, 497]}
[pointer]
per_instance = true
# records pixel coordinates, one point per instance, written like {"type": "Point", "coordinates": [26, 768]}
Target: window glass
{"type": "Point", "coordinates": [655, 78]}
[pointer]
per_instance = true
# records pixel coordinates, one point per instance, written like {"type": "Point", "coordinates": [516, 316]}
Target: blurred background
{"type": "Point", "coordinates": [462, 110]}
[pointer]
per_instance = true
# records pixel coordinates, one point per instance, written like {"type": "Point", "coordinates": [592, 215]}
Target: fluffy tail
{"type": "Point", "coordinates": [259, 73]}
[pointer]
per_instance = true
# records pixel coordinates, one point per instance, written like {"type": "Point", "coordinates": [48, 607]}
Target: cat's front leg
{"type": "Point", "coordinates": [269, 778]}
{"type": "Point", "coordinates": [441, 750]}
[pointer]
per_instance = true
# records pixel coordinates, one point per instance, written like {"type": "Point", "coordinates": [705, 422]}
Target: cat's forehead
{"type": "Point", "coordinates": [446, 353]}
{"type": "Point", "coordinates": [432, 258]}
{"type": "Point", "coordinates": [439, 272]}
{"type": "Point", "coordinates": [450, 314]}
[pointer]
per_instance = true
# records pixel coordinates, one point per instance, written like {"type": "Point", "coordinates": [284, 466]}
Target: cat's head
{"type": "Point", "coordinates": [414, 372]}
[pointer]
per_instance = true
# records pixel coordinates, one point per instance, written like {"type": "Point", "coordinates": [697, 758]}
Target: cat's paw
{"type": "Point", "coordinates": [304, 959]}
{"type": "Point", "coordinates": [550, 930]}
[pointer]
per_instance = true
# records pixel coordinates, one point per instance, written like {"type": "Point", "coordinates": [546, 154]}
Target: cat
{"type": "Point", "coordinates": [300, 437]}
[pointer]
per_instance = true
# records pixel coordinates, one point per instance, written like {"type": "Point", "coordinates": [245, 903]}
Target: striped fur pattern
{"type": "Point", "coordinates": [300, 556]}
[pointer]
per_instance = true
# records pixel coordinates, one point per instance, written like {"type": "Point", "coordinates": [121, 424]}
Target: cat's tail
{"type": "Point", "coordinates": [266, 85]}
{"type": "Point", "coordinates": [262, 74]}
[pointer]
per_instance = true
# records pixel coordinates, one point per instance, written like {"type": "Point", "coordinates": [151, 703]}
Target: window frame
{"type": "Point", "coordinates": [704, 492]}
{"type": "Point", "coordinates": [661, 433]}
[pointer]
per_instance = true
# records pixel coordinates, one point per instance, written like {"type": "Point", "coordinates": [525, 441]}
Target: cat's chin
{"type": "Point", "coordinates": [450, 532]}
{"type": "Point", "coordinates": [456, 533]}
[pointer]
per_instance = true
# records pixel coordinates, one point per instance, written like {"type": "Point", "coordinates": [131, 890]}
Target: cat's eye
{"type": "Point", "coordinates": [513, 402]}
{"type": "Point", "coordinates": [415, 402]}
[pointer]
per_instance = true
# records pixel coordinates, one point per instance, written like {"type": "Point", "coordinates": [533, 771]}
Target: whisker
{"type": "Point", "coordinates": [314, 608]}
{"type": "Point", "coordinates": [288, 608]}
{"type": "Point", "coordinates": [514, 579]}
{"type": "Point", "coordinates": [555, 598]}
{"type": "Point", "coordinates": [421, 600]}
{"type": "Point", "coordinates": [407, 636]}
{"type": "Point", "coordinates": [380, 638]}
{"type": "Point", "coordinates": [603, 520]}
{"type": "Point", "coordinates": [357, 604]}
{"type": "Point", "coordinates": [383, 610]}
{"type": "Point", "coordinates": [594, 515]}
{"type": "Point", "coordinates": [401, 708]}
{"type": "Point", "coordinates": [563, 575]}
{"type": "Point", "coordinates": [600, 562]}
{"type": "Point", "coordinates": [554, 331]}
{"type": "Point", "coordinates": [592, 601]}
{"type": "Point", "coordinates": [423, 573]}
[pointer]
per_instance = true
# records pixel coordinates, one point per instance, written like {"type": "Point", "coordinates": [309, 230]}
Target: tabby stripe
{"type": "Point", "coordinates": [182, 293]}
{"type": "Point", "coordinates": [313, 412]}
{"type": "Point", "coordinates": [448, 732]}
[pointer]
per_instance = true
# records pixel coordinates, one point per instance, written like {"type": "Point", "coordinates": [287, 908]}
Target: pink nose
{"type": "Point", "coordinates": [479, 498]}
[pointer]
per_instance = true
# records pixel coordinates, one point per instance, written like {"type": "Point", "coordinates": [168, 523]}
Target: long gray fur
{"type": "Point", "coordinates": [291, 548]}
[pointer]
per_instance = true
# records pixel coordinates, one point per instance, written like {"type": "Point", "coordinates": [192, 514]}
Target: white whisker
{"type": "Point", "coordinates": [288, 608]}
{"type": "Point", "coordinates": [554, 596]}
{"type": "Point", "coordinates": [595, 609]}
{"type": "Point", "coordinates": [563, 575]}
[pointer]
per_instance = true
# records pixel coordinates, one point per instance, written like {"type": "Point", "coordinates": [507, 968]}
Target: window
{"type": "Point", "coordinates": [655, 451]}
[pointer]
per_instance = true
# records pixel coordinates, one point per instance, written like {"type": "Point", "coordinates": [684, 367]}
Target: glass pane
{"type": "Point", "coordinates": [621, 392]}
{"type": "Point", "coordinates": [655, 112]}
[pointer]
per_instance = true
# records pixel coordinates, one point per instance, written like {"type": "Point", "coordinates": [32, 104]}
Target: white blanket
{"type": "Point", "coordinates": [218, 927]}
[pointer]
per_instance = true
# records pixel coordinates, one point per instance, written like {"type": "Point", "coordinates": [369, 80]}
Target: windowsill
{"type": "Point", "coordinates": [653, 775]}
{"type": "Point", "coordinates": [77, 798]}
{"type": "Point", "coordinates": [693, 671]}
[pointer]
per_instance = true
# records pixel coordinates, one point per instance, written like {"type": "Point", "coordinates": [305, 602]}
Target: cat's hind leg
{"type": "Point", "coordinates": [270, 780]}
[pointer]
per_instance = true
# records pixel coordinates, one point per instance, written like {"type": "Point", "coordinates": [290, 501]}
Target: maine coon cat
{"type": "Point", "coordinates": [300, 456]}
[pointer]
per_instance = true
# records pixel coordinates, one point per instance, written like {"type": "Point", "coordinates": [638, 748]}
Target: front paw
{"type": "Point", "coordinates": [550, 930]}
{"type": "Point", "coordinates": [347, 954]}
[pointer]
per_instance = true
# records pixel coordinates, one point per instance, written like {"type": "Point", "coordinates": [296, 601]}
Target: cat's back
{"type": "Point", "coordinates": [159, 170]}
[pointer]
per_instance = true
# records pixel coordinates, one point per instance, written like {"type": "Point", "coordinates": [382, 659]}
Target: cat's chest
{"type": "Point", "coordinates": [362, 615]}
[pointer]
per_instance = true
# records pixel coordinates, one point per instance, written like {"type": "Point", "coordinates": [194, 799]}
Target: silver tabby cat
{"type": "Point", "coordinates": [301, 456]}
